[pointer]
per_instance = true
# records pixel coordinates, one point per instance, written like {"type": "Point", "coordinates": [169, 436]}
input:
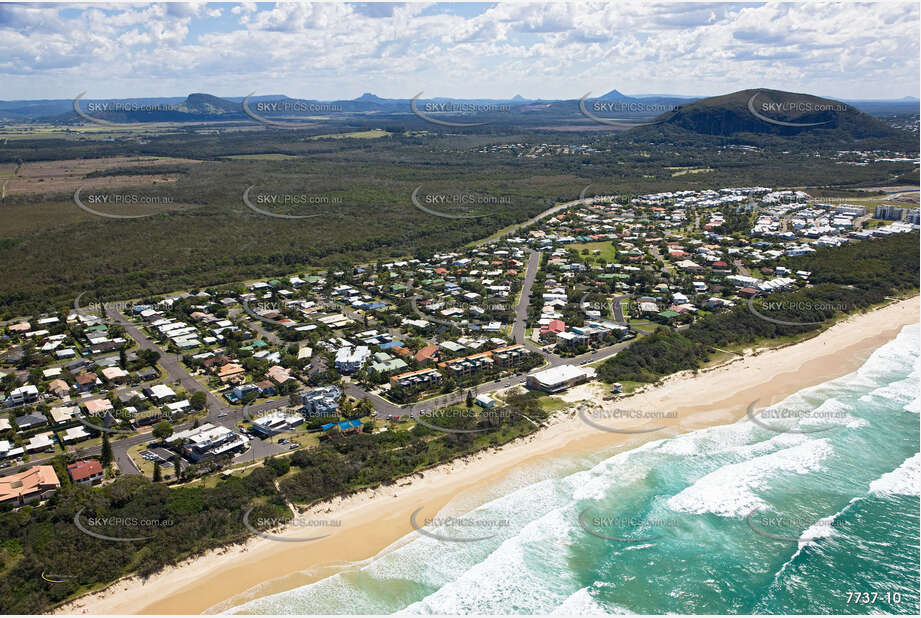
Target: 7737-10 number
{"type": "Point", "coordinates": [866, 598]}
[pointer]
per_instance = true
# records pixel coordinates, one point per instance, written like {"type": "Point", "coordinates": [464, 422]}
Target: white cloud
{"type": "Point", "coordinates": [325, 50]}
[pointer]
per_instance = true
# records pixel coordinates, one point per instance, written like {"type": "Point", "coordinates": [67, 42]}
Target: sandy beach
{"type": "Point", "coordinates": [373, 520]}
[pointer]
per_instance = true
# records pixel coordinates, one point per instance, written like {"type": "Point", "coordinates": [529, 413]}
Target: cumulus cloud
{"type": "Point", "coordinates": [549, 50]}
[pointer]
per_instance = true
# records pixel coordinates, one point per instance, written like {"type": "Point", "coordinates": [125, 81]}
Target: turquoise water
{"type": "Point", "coordinates": [685, 524]}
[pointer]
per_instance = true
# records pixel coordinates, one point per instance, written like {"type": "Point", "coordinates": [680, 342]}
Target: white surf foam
{"type": "Point", "coordinates": [581, 603]}
{"type": "Point", "coordinates": [730, 490]}
{"type": "Point", "coordinates": [904, 480]}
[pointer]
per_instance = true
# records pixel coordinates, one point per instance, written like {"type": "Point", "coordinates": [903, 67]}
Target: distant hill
{"type": "Point", "coordinates": [774, 112]}
{"type": "Point", "coordinates": [615, 95]}
{"type": "Point", "coordinates": [370, 98]}
{"type": "Point", "coordinates": [200, 103]}
{"type": "Point", "coordinates": [726, 115]}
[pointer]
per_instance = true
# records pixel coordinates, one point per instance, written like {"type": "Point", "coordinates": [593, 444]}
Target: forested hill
{"type": "Point", "coordinates": [777, 113]}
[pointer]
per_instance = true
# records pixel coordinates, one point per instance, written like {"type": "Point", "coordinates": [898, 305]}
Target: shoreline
{"type": "Point", "coordinates": [373, 520]}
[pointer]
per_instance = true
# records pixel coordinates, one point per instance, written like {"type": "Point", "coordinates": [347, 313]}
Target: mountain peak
{"type": "Point", "coordinates": [765, 111]}
{"type": "Point", "coordinates": [203, 103]}
{"type": "Point", "coordinates": [614, 95]}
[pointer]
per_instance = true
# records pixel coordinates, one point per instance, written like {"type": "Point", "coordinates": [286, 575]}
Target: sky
{"type": "Point", "coordinates": [330, 51]}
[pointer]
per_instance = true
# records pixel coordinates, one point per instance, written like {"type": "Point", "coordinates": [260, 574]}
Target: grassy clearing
{"type": "Point", "coordinates": [629, 387]}
{"type": "Point", "coordinates": [552, 404]}
{"type": "Point", "coordinates": [268, 156]}
{"type": "Point", "coordinates": [370, 134]}
{"type": "Point", "coordinates": [605, 248]}
{"type": "Point", "coordinates": [682, 171]}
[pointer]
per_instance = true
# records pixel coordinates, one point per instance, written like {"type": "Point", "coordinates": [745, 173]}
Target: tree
{"type": "Point", "coordinates": [365, 407]}
{"type": "Point", "coordinates": [198, 400]}
{"type": "Point", "coordinates": [162, 430]}
{"type": "Point", "coordinates": [106, 455]}
{"type": "Point", "coordinates": [149, 357]}
{"type": "Point", "coordinates": [347, 409]}
{"type": "Point", "coordinates": [157, 473]}
{"type": "Point", "coordinates": [469, 398]}
{"type": "Point", "coordinates": [177, 466]}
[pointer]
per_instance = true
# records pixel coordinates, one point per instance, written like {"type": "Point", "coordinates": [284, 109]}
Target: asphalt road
{"type": "Point", "coordinates": [521, 309]}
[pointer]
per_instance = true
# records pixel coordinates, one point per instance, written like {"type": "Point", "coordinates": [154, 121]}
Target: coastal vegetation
{"type": "Point", "coordinates": [46, 558]}
{"type": "Point", "coordinates": [845, 279]}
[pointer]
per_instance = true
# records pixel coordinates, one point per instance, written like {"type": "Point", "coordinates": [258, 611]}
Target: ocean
{"type": "Point", "coordinates": [812, 507]}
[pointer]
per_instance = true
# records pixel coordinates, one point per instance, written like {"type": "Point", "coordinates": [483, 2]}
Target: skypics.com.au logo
{"type": "Point", "coordinates": [118, 107]}
{"type": "Point", "coordinates": [468, 528]}
{"type": "Point", "coordinates": [624, 529]}
{"type": "Point", "coordinates": [642, 110]}
{"type": "Point", "coordinates": [441, 420]}
{"type": "Point", "coordinates": [780, 419]}
{"type": "Point", "coordinates": [259, 525]}
{"type": "Point", "coordinates": [451, 109]}
{"type": "Point", "coordinates": [458, 204]}
{"type": "Point", "coordinates": [593, 416]}
{"type": "Point", "coordinates": [276, 114]}
{"type": "Point", "coordinates": [792, 105]}
{"type": "Point", "coordinates": [288, 205]}
{"type": "Point", "coordinates": [94, 311]}
{"type": "Point", "coordinates": [268, 312]}
{"type": "Point", "coordinates": [791, 528]}
{"type": "Point", "coordinates": [128, 204]}
{"type": "Point", "coordinates": [119, 529]}
{"type": "Point", "coordinates": [783, 312]}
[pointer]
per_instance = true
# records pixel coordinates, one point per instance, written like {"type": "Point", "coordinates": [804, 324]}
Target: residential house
{"type": "Point", "coordinates": [115, 375]}
{"type": "Point", "coordinates": [59, 388]}
{"type": "Point", "coordinates": [427, 354]}
{"type": "Point", "coordinates": [86, 472]}
{"type": "Point", "coordinates": [551, 329]}
{"type": "Point", "coordinates": [231, 373]}
{"type": "Point", "coordinates": [63, 414]}
{"type": "Point", "coordinates": [349, 360]}
{"type": "Point", "coordinates": [238, 392]}
{"type": "Point", "coordinates": [160, 393]}
{"type": "Point", "coordinates": [40, 442]}
{"type": "Point", "coordinates": [23, 395]}
{"type": "Point", "coordinates": [322, 401]}
{"type": "Point", "coordinates": [36, 483]}
{"type": "Point", "coordinates": [278, 374]}
{"type": "Point", "coordinates": [97, 407]}
{"type": "Point", "coordinates": [86, 382]}
{"type": "Point", "coordinates": [31, 421]}
{"type": "Point", "coordinates": [75, 434]}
